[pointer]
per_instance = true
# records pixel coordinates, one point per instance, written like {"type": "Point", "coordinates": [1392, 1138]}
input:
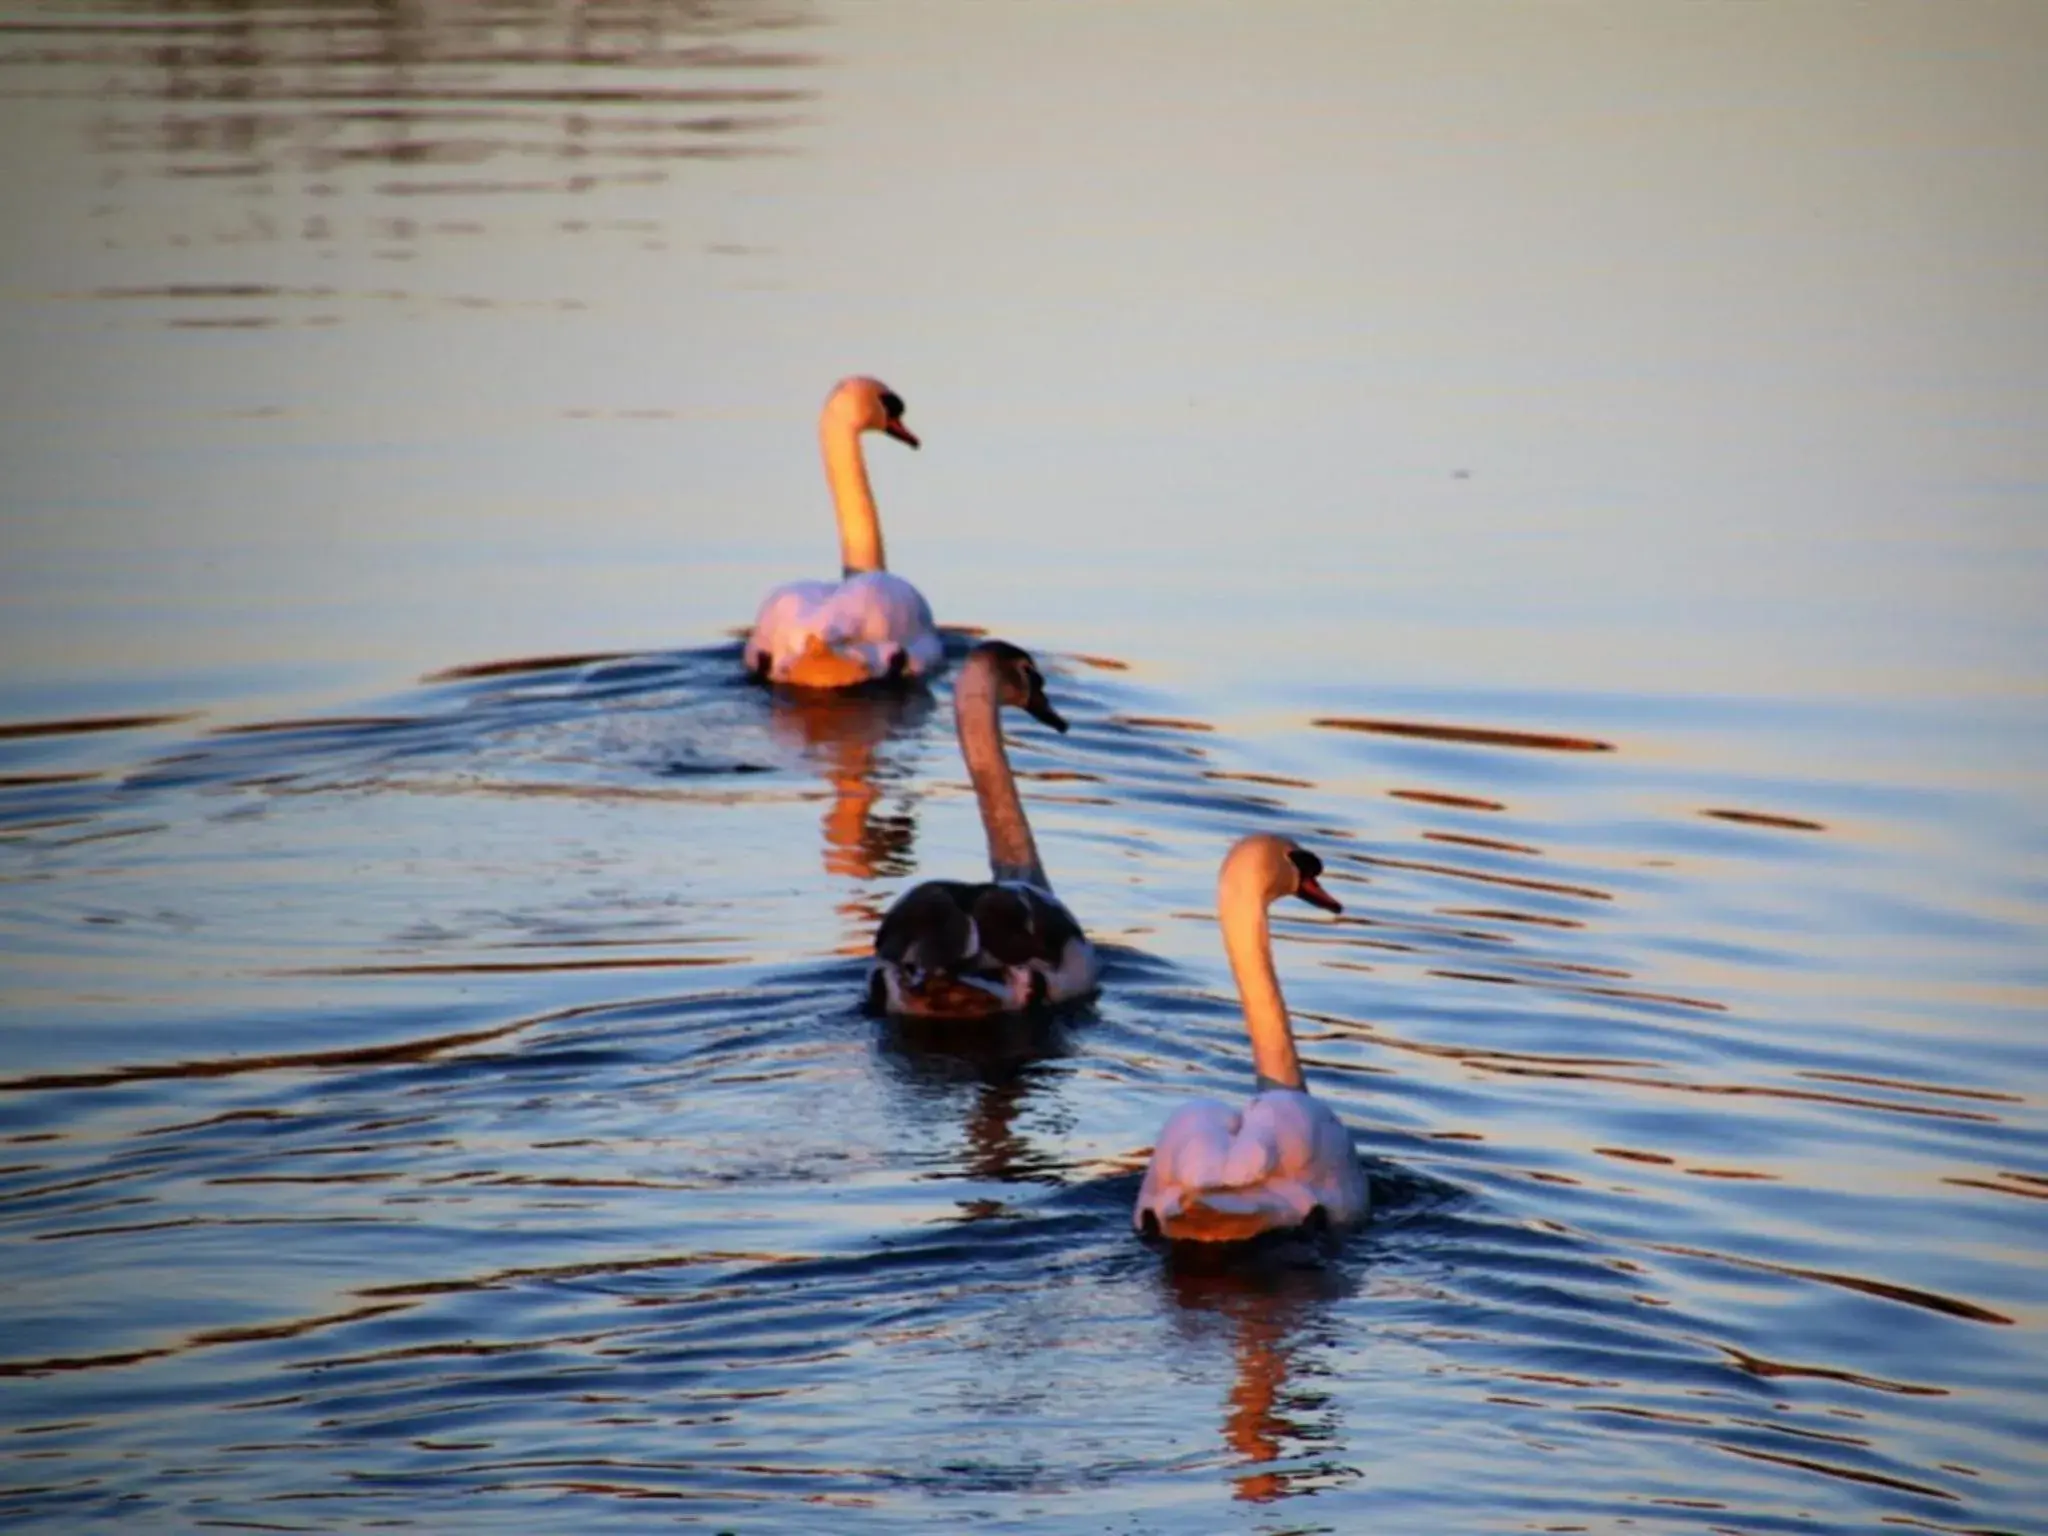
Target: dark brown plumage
{"type": "Point", "coordinates": [951, 946]}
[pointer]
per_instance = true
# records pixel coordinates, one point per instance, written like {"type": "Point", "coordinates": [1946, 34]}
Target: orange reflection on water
{"type": "Point", "coordinates": [1254, 1425]}
{"type": "Point", "coordinates": [425, 1048]}
{"type": "Point", "coordinates": [1465, 735]}
{"type": "Point", "coordinates": [1911, 1295]}
{"type": "Point", "coordinates": [474, 671]}
{"type": "Point", "coordinates": [1496, 1063]}
{"type": "Point", "coordinates": [1469, 840]}
{"type": "Point", "coordinates": [1276, 780]}
{"type": "Point", "coordinates": [15, 729]}
{"type": "Point", "coordinates": [1767, 819]}
{"type": "Point", "coordinates": [207, 1339]}
{"type": "Point", "coordinates": [1265, 1307]}
{"type": "Point", "coordinates": [997, 1057]}
{"type": "Point", "coordinates": [1440, 797]}
{"type": "Point", "coordinates": [1633, 994]}
{"type": "Point", "coordinates": [1507, 915]}
{"type": "Point", "coordinates": [861, 915]}
{"type": "Point", "coordinates": [998, 1149]}
{"type": "Point", "coordinates": [844, 735]}
{"type": "Point", "coordinates": [2028, 1185]}
{"type": "Point", "coordinates": [1452, 871]}
{"type": "Point", "coordinates": [1833, 1469]}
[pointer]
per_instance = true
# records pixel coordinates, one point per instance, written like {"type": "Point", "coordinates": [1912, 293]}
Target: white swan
{"type": "Point", "coordinates": [1221, 1175]}
{"type": "Point", "coordinates": [958, 949]}
{"type": "Point", "coordinates": [869, 624]}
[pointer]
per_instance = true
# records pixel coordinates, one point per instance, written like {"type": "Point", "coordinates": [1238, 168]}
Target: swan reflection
{"type": "Point", "coordinates": [982, 1083]}
{"type": "Point", "coordinates": [848, 737]}
{"type": "Point", "coordinates": [1274, 1419]}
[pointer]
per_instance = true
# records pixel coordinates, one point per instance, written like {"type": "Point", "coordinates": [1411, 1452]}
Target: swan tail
{"type": "Point", "coordinates": [868, 628]}
{"type": "Point", "coordinates": [1224, 1216]}
{"type": "Point", "coordinates": [822, 661]}
{"type": "Point", "coordinates": [938, 994]}
{"type": "Point", "coordinates": [821, 664]}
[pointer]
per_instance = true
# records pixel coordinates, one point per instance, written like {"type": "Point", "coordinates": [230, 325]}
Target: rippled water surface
{"type": "Point", "coordinates": [1578, 470]}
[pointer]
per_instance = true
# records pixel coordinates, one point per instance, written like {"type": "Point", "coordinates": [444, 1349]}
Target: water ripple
{"type": "Point", "coordinates": [566, 1165]}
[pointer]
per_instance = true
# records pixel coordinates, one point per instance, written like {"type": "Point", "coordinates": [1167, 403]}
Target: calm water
{"type": "Point", "coordinates": [1580, 470]}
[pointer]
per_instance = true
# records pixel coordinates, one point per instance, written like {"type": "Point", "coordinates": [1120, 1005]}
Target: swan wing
{"type": "Point", "coordinates": [787, 611]}
{"type": "Point", "coordinates": [954, 947]}
{"type": "Point", "coordinates": [929, 926]}
{"type": "Point", "coordinates": [1026, 928]}
{"type": "Point", "coordinates": [1218, 1175]}
{"type": "Point", "coordinates": [1192, 1152]}
{"type": "Point", "coordinates": [868, 626]}
{"type": "Point", "coordinates": [1312, 1154]}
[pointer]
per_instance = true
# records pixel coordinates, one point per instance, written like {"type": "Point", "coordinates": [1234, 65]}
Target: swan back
{"type": "Point", "coordinates": [840, 634]}
{"type": "Point", "coordinates": [1220, 1175]}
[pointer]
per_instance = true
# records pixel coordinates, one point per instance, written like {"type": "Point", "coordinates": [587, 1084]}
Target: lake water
{"type": "Point", "coordinates": [1582, 470]}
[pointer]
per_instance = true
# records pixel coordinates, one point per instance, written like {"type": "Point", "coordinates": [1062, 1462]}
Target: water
{"type": "Point", "coordinates": [1581, 474]}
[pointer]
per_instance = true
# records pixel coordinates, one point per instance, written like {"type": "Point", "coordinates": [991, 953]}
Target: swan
{"type": "Point", "coordinates": [954, 948]}
{"type": "Point", "coordinates": [869, 624]}
{"type": "Point", "coordinates": [1284, 1161]}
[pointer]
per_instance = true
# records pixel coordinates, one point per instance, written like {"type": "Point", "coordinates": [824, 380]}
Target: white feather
{"type": "Point", "coordinates": [1274, 1163]}
{"type": "Point", "coordinates": [867, 618]}
{"type": "Point", "coordinates": [1077, 972]}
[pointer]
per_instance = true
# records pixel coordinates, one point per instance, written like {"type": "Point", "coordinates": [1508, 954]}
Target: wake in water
{"type": "Point", "coordinates": [465, 1105]}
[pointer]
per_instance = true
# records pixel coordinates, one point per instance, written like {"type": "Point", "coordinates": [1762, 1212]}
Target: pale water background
{"type": "Point", "coordinates": [435, 1096]}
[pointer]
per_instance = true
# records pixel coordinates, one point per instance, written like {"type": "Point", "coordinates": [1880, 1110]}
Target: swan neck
{"type": "Point", "coordinates": [1012, 854]}
{"type": "Point", "coordinates": [846, 471]}
{"type": "Point", "coordinates": [1248, 941]}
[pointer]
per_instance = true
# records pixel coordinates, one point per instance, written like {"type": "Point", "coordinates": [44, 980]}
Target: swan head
{"type": "Point", "coordinates": [1018, 682]}
{"type": "Point", "coordinates": [861, 404]}
{"type": "Point", "coordinates": [1276, 867]}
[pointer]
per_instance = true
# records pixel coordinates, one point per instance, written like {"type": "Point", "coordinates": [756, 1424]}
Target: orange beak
{"type": "Point", "coordinates": [1312, 892]}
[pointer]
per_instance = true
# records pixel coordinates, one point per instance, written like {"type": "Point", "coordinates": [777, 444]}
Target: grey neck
{"type": "Point", "coordinates": [1012, 854]}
